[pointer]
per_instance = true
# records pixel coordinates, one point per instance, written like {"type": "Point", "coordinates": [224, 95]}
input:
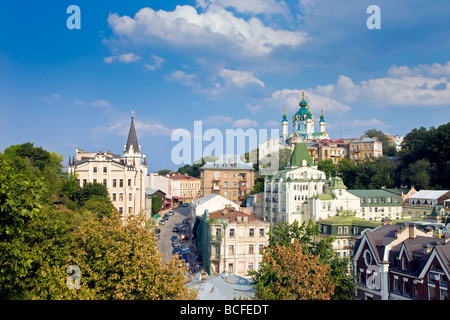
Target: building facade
{"type": "Point", "coordinates": [377, 204]}
{"type": "Point", "coordinates": [364, 148]}
{"type": "Point", "coordinates": [184, 188]}
{"type": "Point", "coordinates": [231, 180]}
{"type": "Point", "coordinates": [232, 241]}
{"type": "Point", "coordinates": [124, 176]}
{"type": "Point", "coordinates": [427, 204]}
{"type": "Point", "coordinates": [401, 262]}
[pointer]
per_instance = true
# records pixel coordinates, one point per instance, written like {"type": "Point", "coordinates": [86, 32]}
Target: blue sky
{"type": "Point", "coordinates": [231, 64]}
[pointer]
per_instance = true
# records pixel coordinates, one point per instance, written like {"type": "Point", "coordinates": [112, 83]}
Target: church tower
{"type": "Point", "coordinates": [322, 122]}
{"type": "Point", "coordinates": [284, 124]}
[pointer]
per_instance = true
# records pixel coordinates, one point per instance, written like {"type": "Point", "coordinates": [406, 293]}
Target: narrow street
{"type": "Point", "coordinates": [165, 242]}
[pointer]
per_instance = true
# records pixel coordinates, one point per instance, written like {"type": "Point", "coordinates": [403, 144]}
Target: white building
{"type": "Point", "coordinates": [211, 202]}
{"type": "Point", "coordinates": [124, 177]}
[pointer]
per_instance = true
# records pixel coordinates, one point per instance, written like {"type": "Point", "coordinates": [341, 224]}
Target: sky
{"type": "Point", "coordinates": [230, 64]}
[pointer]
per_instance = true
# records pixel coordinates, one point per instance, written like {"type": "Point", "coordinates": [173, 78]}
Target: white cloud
{"type": "Point", "coordinates": [239, 78]}
{"type": "Point", "coordinates": [157, 63]}
{"type": "Point", "coordinates": [245, 123]}
{"type": "Point", "coordinates": [182, 77]}
{"type": "Point", "coordinates": [248, 6]}
{"type": "Point", "coordinates": [218, 120]}
{"type": "Point", "coordinates": [272, 124]}
{"type": "Point", "coordinates": [372, 123]}
{"type": "Point", "coordinates": [100, 103]}
{"type": "Point", "coordinates": [253, 109]}
{"type": "Point", "coordinates": [154, 128]}
{"type": "Point", "coordinates": [125, 58]}
{"type": "Point", "coordinates": [185, 27]}
{"type": "Point", "coordinates": [53, 98]}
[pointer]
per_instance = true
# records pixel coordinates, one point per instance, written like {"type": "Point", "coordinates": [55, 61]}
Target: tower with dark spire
{"type": "Point", "coordinates": [132, 150]}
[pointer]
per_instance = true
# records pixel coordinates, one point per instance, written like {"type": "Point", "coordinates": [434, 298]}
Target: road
{"type": "Point", "coordinates": [164, 242]}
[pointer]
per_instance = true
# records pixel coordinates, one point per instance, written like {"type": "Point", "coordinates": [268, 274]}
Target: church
{"type": "Point", "coordinates": [124, 176]}
{"type": "Point", "coordinates": [303, 125]}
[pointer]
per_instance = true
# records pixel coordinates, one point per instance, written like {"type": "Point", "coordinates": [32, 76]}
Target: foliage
{"type": "Point", "coordinates": [156, 204]}
{"type": "Point", "coordinates": [292, 275]}
{"type": "Point", "coordinates": [194, 169]}
{"type": "Point", "coordinates": [328, 167]}
{"type": "Point", "coordinates": [306, 235]}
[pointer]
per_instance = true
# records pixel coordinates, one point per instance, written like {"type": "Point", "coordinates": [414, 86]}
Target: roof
{"type": "Point", "coordinates": [222, 287]}
{"type": "Point", "coordinates": [232, 214]}
{"type": "Point", "coordinates": [132, 138]}
{"type": "Point", "coordinates": [300, 154]}
{"type": "Point", "coordinates": [368, 193]}
{"type": "Point", "coordinates": [179, 176]}
{"type": "Point", "coordinates": [210, 197]}
{"type": "Point", "coordinates": [153, 191]}
{"type": "Point", "coordinates": [363, 140]}
{"type": "Point", "coordinates": [429, 194]}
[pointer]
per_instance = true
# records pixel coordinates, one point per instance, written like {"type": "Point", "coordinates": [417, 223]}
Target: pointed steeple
{"type": "Point", "coordinates": [132, 138]}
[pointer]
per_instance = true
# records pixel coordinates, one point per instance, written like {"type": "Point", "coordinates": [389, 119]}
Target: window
{"type": "Point", "coordinates": [261, 249]}
{"type": "Point", "coordinates": [129, 182]}
{"type": "Point", "coordinates": [105, 170]}
{"type": "Point", "coordinates": [251, 232]}
{"type": "Point", "coordinates": [120, 210]}
{"type": "Point", "coordinates": [231, 233]}
{"type": "Point", "coordinates": [84, 181]}
{"type": "Point", "coordinates": [121, 196]}
{"type": "Point", "coordinates": [250, 249]}
{"type": "Point", "coordinates": [405, 286]}
{"type": "Point", "coordinates": [250, 266]}
{"type": "Point", "coordinates": [261, 232]}
{"type": "Point", "coordinates": [130, 197]}
{"type": "Point", "coordinates": [121, 183]}
{"type": "Point", "coordinates": [231, 249]}
{"type": "Point", "coordinates": [225, 193]}
{"type": "Point", "coordinates": [94, 169]}
{"type": "Point", "coordinates": [225, 184]}
{"type": "Point", "coordinates": [113, 197]}
{"type": "Point", "coordinates": [396, 287]}
{"type": "Point", "coordinates": [114, 183]}
{"type": "Point", "coordinates": [104, 182]}
{"type": "Point", "coordinates": [230, 268]}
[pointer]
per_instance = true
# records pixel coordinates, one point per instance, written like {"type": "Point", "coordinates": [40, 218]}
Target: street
{"type": "Point", "coordinates": [165, 242]}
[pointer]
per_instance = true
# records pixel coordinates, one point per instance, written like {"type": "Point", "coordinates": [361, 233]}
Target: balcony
{"type": "Point", "coordinates": [216, 187]}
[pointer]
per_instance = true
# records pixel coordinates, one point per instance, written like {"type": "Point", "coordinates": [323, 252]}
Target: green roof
{"type": "Point", "coordinates": [299, 154]}
{"type": "Point", "coordinates": [349, 220]}
{"type": "Point", "coordinates": [337, 183]}
{"type": "Point", "coordinates": [372, 193]}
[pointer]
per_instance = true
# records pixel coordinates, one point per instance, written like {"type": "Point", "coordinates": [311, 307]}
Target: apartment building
{"type": "Point", "coordinates": [231, 180]}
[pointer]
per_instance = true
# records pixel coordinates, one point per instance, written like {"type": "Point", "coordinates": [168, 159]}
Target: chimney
{"type": "Point", "coordinates": [412, 231]}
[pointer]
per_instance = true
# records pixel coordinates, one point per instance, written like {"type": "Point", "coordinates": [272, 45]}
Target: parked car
{"type": "Point", "coordinates": [185, 220]}
{"type": "Point", "coordinates": [162, 222]}
{"type": "Point", "coordinates": [173, 238]}
{"type": "Point", "coordinates": [171, 213]}
{"type": "Point", "coordinates": [166, 217]}
{"type": "Point", "coordinates": [176, 243]}
{"type": "Point", "coordinates": [185, 204]}
{"type": "Point", "coordinates": [177, 250]}
{"type": "Point", "coordinates": [158, 231]}
{"type": "Point", "coordinates": [185, 249]}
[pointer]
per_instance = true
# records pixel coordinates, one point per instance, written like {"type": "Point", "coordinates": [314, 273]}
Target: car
{"type": "Point", "coordinates": [162, 222]}
{"type": "Point", "coordinates": [166, 217]}
{"type": "Point", "coordinates": [171, 213]}
{"type": "Point", "coordinates": [185, 249]}
{"type": "Point", "coordinates": [185, 204]}
{"type": "Point", "coordinates": [158, 231]}
{"type": "Point", "coordinates": [157, 236]}
{"type": "Point", "coordinates": [177, 250]}
{"type": "Point", "coordinates": [174, 238]}
{"type": "Point", "coordinates": [176, 243]}
{"type": "Point", "coordinates": [185, 220]}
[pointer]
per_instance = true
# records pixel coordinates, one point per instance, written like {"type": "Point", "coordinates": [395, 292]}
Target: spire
{"type": "Point", "coordinates": [132, 138]}
{"type": "Point", "coordinates": [284, 116]}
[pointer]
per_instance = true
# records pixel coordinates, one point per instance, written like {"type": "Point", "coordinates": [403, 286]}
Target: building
{"type": "Point", "coordinates": [365, 148]}
{"type": "Point", "coordinates": [335, 201]}
{"type": "Point", "coordinates": [224, 286]}
{"type": "Point", "coordinates": [401, 262]}
{"type": "Point", "coordinates": [184, 188]}
{"type": "Point", "coordinates": [211, 202]}
{"type": "Point", "coordinates": [231, 180]}
{"type": "Point", "coordinates": [345, 229]}
{"type": "Point", "coordinates": [427, 204]}
{"type": "Point", "coordinates": [303, 125]}
{"type": "Point", "coordinates": [255, 203]}
{"type": "Point", "coordinates": [377, 204]}
{"type": "Point", "coordinates": [231, 241]}
{"type": "Point", "coordinates": [289, 192]}
{"type": "Point", "coordinates": [124, 176]}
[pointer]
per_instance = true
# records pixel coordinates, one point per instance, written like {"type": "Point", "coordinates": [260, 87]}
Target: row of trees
{"type": "Point", "coordinates": [42, 244]}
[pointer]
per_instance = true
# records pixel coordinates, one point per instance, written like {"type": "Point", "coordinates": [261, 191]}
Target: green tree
{"type": "Point", "coordinates": [156, 204]}
{"type": "Point", "coordinates": [328, 167]}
